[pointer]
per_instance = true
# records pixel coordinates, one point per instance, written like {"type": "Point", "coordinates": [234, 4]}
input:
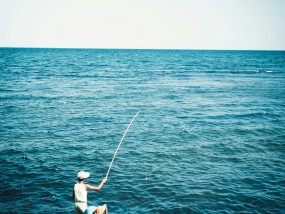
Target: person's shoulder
{"type": "Point", "coordinates": [87, 185]}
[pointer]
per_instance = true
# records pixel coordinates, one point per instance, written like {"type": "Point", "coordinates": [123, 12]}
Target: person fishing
{"type": "Point", "coordinates": [80, 191]}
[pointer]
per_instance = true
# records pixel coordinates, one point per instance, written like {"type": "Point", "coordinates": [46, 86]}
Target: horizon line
{"type": "Point", "coordinates": [101, 48]}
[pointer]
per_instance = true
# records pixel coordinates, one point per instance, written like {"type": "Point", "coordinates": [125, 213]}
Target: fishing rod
{"type": "Point", "coordinates": [121, 142]}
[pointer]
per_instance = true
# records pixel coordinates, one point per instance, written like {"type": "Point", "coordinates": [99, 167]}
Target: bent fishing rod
{"type": "Point", "coordinates": [121, 143]}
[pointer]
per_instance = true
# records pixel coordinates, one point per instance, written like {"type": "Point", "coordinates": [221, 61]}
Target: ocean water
{"type": "Point", "coordinates": [210, 136]}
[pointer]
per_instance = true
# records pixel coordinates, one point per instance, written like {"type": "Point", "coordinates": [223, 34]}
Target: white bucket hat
{"type": "Point", "coordinates": [83, 175]}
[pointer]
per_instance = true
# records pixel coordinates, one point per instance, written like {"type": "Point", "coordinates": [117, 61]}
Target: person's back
{"type": "Point", "coordinates": [80, 193]}
{"type": "Point", "coordinates": [80, 198]}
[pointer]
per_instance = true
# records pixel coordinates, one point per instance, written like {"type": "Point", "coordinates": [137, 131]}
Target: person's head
{"type": "Point", "coordinates": [81, 175]}
{"type": "Point", "coordinates": [100, 209]}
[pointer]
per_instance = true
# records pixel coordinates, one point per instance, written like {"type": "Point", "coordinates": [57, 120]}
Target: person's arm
{"type": "Point", "coordinates": [88, 186]}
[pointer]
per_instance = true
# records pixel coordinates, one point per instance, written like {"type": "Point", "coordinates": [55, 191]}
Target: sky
{"type": "Point", "coordinates": [144, 24]}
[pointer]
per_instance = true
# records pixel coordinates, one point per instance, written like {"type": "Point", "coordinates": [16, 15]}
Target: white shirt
{"type": "Point", "coordinates": [80, 193]}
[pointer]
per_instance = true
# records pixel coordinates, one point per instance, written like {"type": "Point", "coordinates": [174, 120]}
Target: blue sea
{"type": "Point", "coordinates": [209, 138]}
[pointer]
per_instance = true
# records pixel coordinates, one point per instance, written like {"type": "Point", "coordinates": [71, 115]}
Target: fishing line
{"type": "Point", "coordinates": [120, 143]}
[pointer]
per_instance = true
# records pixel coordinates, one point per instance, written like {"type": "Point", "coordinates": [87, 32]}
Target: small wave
{"type": "Point", "coordinates": [259, 71]}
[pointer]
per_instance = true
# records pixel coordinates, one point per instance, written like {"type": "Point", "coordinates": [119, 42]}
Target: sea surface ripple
{"type": "Point", "coordinates": [210, 136]}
